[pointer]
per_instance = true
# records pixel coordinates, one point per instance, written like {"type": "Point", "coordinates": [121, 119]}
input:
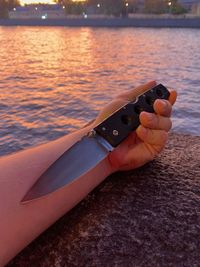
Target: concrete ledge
{"type": "Point", "coordinates": [147, 217]}
{"type": "Point", "coordinates": [107, 22]}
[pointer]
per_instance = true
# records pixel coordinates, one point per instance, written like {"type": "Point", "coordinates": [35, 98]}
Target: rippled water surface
{"type": "Point", "coordinates": [54, 80]}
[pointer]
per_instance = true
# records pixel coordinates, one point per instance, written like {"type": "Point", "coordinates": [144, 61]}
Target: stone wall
{"type": "Point", "coordinates": [147, 217]}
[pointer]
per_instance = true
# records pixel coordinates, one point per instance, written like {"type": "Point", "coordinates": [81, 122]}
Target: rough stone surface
{"type": "Point", "coordinates": [147, 217]}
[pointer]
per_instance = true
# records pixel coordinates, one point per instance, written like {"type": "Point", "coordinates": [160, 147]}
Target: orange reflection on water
{"type": "Point", "coordinates": [54, 79]}
{"type": "Point", "coordinates": [45, 69]}
{"type": "Point", "coordinates": [54, 72]}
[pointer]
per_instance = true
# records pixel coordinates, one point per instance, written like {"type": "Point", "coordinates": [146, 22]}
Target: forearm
{"type": "Point", "coordinates": [20, 224]}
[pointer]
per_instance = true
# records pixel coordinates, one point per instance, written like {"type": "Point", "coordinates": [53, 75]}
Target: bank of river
{"type": "Point", "coordinates": [108, 22]}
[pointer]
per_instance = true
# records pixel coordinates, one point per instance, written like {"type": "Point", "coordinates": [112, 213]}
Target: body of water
{"type": "Point", "coordinates": [55, 79]}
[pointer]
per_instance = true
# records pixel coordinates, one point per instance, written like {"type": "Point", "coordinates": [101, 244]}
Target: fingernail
{"type": "Point", "coordinates": [165, 105]}
{"type": "Point", "coordinates": [147, 116]}
{"type": "Point", "coordinates": [162, 102]}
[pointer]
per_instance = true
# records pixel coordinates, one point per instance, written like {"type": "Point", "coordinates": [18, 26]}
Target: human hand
{"type": "Point", "coordinates": [149, 139]}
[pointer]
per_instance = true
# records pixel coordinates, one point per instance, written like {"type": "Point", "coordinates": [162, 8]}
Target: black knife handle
{"type": "Point", "coordinates": [120, 124]}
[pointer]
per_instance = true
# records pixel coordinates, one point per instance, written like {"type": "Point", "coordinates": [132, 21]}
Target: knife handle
{"type": "Point", "coordinates": [120, 124]}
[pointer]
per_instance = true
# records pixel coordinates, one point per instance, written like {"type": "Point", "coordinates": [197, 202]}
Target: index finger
{"type": "Point", "coordinates": [172, 97]}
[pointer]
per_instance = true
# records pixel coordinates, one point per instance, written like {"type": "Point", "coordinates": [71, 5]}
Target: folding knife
{"type": "Point", "coordinates": [96, 145]}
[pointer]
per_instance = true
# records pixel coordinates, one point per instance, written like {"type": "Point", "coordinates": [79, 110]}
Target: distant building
{"type": "Point", "coordinates": [38, 12]}
{"type": "Point", "coordinates": [196, 9]}
{"type": "Point", "coordinates": [188, 4]}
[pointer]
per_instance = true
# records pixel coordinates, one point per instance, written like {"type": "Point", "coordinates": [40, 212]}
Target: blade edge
{"type": "Point", "coordinates": [47, 183]}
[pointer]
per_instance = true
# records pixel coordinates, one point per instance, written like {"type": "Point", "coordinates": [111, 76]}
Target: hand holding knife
{"type": "Point", "coordinates": [107, 136]}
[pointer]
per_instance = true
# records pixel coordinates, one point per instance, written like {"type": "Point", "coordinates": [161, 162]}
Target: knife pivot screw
{"type": "Point", "coordinates": [135, 100]}
{"type": "Point", "coordinates": [103, 128]}
{"type": "Point", "coordinates": [92, 133]}
{"type": "Point", "coordinates": [115, 133]}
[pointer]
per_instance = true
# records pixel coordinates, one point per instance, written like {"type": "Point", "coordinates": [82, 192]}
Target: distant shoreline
{"type": "Point", "coordinates": [107, 22]}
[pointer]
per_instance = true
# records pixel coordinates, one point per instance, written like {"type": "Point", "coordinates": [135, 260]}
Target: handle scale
{"type": "Point", "coordinates": [120, 124]}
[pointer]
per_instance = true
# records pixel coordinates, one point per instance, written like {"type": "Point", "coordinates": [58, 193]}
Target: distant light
{"type": "Point", "coordinates": [98, 5]}
{"type": "Point", "coordinates": [126, 4]}
{"type": "Point", "coordinates": [63, 7]}
{"type": "Point", "coordinates": [14, 9]}
{"type": "Point", "coordinates": [44, 16]}
{"type": "Point", "coordinates": [36, 2]}
{"type": "Point", "coordinates": [35, 8]}
{"type": "Point", "coordinates": [170, 3]}
{"type": "Point", "coordinates": [85, 15]}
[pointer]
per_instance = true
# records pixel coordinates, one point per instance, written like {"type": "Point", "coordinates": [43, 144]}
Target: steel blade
{"type": "Point", "coordinates": [75, 162]}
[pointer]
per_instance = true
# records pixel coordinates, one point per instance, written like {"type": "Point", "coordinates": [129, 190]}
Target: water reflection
{"type": "Point", "coordinates": [53, 80]}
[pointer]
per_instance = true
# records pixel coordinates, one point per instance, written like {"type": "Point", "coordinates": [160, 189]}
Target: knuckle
{"type": "Point", "coordinates": [167, 108]}
{"type": "Point", "coordinates": [149, 120]}
{"type": "Point", "coordinates": [160, 137]}
{"type": "Point", "coordinates": [165, 124]}
{"type": "Point", "coordinates": [151, 135]}
{"type": "Point", "coordinates": [153, 120]}
{"type": "Point", "coordinates": [164, 136]}
{"type": "Point", "coordinates": [157, 150]}
{"type": "Point", "coordinates": [170, 125]}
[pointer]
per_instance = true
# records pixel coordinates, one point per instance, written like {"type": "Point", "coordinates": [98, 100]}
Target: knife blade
{"type": "Point", "coordinates": [95, 146]}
